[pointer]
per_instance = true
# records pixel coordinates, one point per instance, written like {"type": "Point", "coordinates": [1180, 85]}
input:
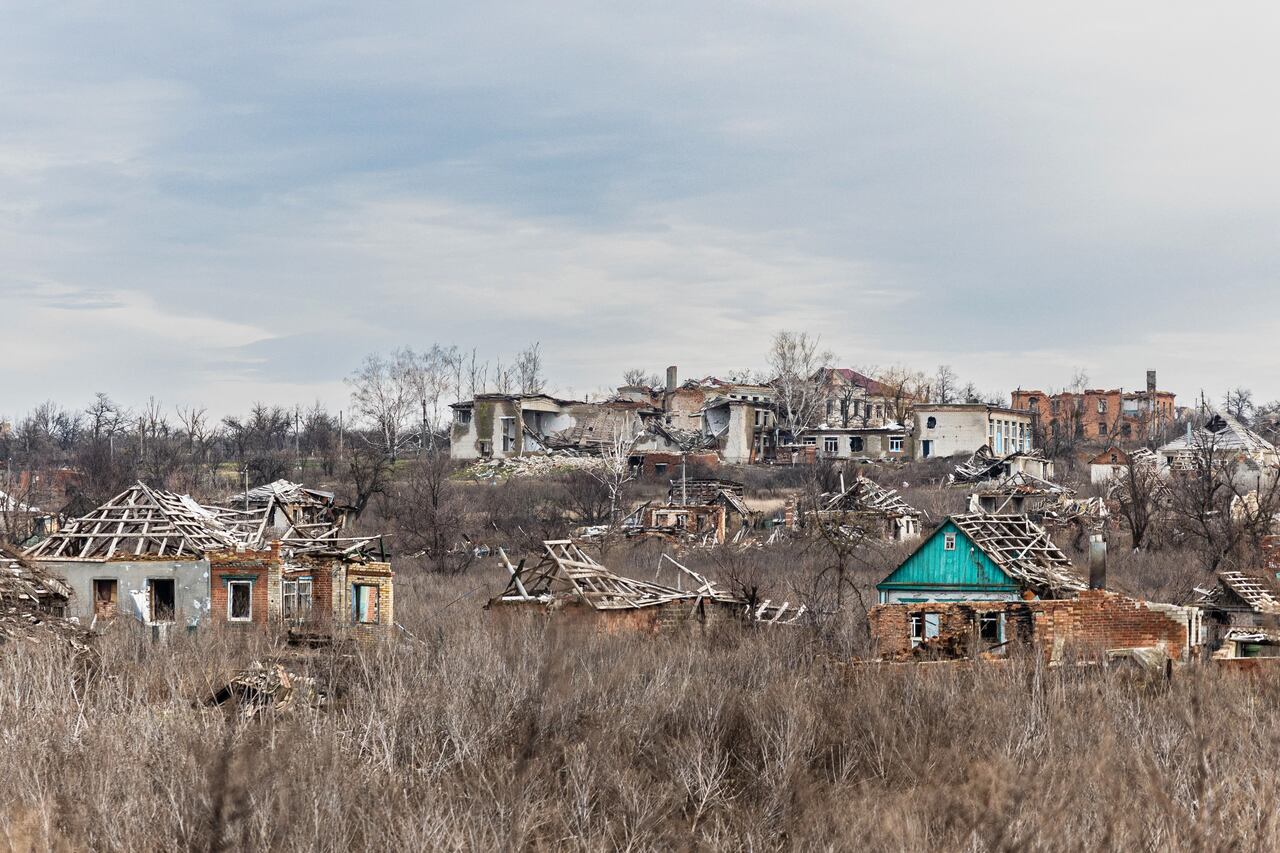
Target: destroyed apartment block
{"type": "Point", "coordinates": [708, 511]}
{"type": "Point", "coordinates": [983, 585]}
{"type": "Point", "coordinates": [1095, 414]}
{"type": "Point", "coordinates": [567, 581]}
{"type": "Point", "coordinates": [165, 560]}
{"type": "Point", "coordinates": [866, 508]}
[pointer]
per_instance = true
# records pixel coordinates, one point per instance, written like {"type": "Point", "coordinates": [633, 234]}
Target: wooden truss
{"type": "Point", "coordinates": [565, 570]}
{"type": "Point", "coordinates": [1023, 550]}
{"type": "Point", "coordinates": [141, 521]}
{"type": "Point", "coordinates": [868, 496]}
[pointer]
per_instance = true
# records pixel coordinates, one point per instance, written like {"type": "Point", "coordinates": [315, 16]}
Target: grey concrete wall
{"type": "Point", "coordinates": [190, 577]}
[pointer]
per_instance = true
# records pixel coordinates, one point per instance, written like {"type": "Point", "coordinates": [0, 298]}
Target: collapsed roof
{"type": "Point", "coordinates": [566, 572]}
{"type": "Point", "coordinates": [867, 496]}
{"type": "Point", "coordinates": [1254, 592]}
{"type": "Point", "coordinates": [151, 523]}
{"type": "Point", "coordinates": [1023, 550]}
{"type": "Point", "coordinates": [139, 522]}
{"type": "Point", "coordinates": [1222, 432]}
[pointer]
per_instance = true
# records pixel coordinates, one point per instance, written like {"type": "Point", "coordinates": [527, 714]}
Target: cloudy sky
{"type": "Point", "coordinates": [218, 203]}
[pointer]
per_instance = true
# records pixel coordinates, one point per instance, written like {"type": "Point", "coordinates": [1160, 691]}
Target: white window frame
{"type": "Point", "coordinates": [948, 541]}
{"type": "Point", "coordinates": [895, 444]}
{"type": "Point", "coordinates": [830, 444]}
{"type": "Point", "coordinates": [231, 597]}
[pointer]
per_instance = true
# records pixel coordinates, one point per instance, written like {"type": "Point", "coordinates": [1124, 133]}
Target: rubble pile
{"type": "Point", "coordinates": [260, 687]}
{"type": "Point", "coordinates": [530, 466]}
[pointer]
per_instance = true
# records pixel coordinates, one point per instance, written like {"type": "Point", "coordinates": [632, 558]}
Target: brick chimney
{"type": "Point", "coordinates": [1097, 562]}
{"type": "Point", "coordinates": [671, 378]}
{"type": "Point", "coordinates": [1151, 382]}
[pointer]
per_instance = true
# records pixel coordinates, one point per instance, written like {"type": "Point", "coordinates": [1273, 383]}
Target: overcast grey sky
{"type": "Point", "coordinates": [218, 203]}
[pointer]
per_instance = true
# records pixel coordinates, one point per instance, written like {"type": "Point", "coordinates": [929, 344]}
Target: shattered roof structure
{"type": "Point", "coordinates": [151, 523]}
{"type": "Point", "coordinates": [984, 465]}
{"type": "Point", "coordinates": [284, 492]}
{"type": "Point", "coordinates": [32, 602]}
{"type": "Point", "coordinates": [1222, 432]}
{"type": "Point", "coordinates": [1021, 549]}
{"type": "Point", "coordinates": [566, 571]}
{"type": "Point", "coordinates": [867, 496]}
{"type": "Point", "coordinates": [1254, 591]}
{"type": "Point", "coordinates": [22, 584]}
{"type": "Point", "coordinates": [139, 522]}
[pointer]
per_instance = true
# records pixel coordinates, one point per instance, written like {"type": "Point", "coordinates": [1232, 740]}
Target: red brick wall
{"type": "Point", "coordinates": [246, 564]}
{"type": "Point", "coordinates": [1094, 622]}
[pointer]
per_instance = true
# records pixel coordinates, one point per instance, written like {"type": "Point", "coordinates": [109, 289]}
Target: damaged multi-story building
{"type": "Point", "coordinates": [1095, 414]}
{"type": "Point", "coordinates": [951, 429]}
{"type": "Point", "coordinates": [984, 584]}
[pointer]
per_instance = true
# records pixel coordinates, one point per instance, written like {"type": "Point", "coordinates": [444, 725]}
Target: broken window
{"type": "Point", "coordinates": [297, 598]}
{"type": "Point", "coordinates": [239, 601]}
{"type": "Point", "coordinates": [1102, 427]}
{"type": "Point", "coordinates": [1102, 407]}
{"type": "Point", "coordinates": [660, 468]}
{"type": "Point", "coordinates": [931, 422]}
{"type": "Point", "coordinates": [948, 542]}
{"type": "Point", "coordinates": [463, 417]}
{"type": "Point", "coordinates": [924, 626]}
{"type": "Point", "coordinates": [364, 603]}
{"type": "Point", "coordinates": [991, 628]}
{"type": "Point", "coordinates": [104, 597]}
{"type": "Point", "coordinates": [895, 445]}
{"type": "Point", "coordinates": [508, 435]}
{"type": "Point", "coordinates": [162, 599]}
{"type": "Point", "coordinates": [855, 443]}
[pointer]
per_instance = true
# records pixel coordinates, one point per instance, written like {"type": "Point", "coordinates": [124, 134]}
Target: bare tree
{"type": "Point", "coordinates": [383, 396]}
{"type": "Point", "coordinates": [529, 376]}
{"type": "Point", "coordinates": [614, 469]}
{"type": "Point", "coordinates": [795, 364]}
{"type": "Point", "coordinates": [430, 514]}
{"type": "Point", "coordinates": [640, 376]}
{"type": "Point", "coordinates": [1239, 404]}
{"type": "Point", "coordinates": [903, 387]}
{"type": "Point", "coordinates": [944, 389]}
{"type": "Point", "coordinates": [1138, 493]}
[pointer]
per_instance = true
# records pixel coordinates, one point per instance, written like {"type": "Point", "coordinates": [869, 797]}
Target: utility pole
{"type": "Point", "coordinates": [297, 436]}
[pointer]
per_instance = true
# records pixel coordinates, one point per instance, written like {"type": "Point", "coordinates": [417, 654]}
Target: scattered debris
{"type": "Point", "coordinates": [260, 688]}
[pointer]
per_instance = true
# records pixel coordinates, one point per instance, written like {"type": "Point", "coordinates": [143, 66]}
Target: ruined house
{"type": "Point", "coordinates": [34, 604]}
{"type": "Point", "coordinates": [1221, 440]}
{"type": "Point", "coordinates": [983, 584]}
{"type": "Point", "coordinates": [983, 465]}
{"type": "Point", "coordinates": [567, 582]}
{"type": "Point", "coordinates": [144, 552]}
{"type": "Point", "coordinates": [1241, 615]}
{"type": "Point", "coordinates": [708, 510]}
{"type": "Point", "coordinates": [962, 428]}
{"type": "Point", "coordinates": [164, 559]}
{"type": "Point", "coordinates": [868, 509]}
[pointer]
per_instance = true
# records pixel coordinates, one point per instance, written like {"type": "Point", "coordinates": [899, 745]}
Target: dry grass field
{"type": "Point", "coordinates": [470, 733]}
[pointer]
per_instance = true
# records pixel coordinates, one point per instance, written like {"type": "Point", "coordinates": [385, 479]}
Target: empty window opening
{"type": "Point", "coordinates": [855, 444]}
{"type": "Point", "coordinates": [924, 626]}
{"type": "Point", "coordinates": [931, 422]}
{"type": "Point", "coordinates": [364, 603]}
{"type": "Point", "coordinates": [104, 597]}
{"type": "Point", "coordinates": [508, 435]}
{"type": "Point", "coordinates": [162, 599]}
{"type": "Point", "coordinates": [991, 628]}
{"type": "Point", "coordinates": [240, 601]}
{"type": "Point", "coordinates": [660, 468]}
